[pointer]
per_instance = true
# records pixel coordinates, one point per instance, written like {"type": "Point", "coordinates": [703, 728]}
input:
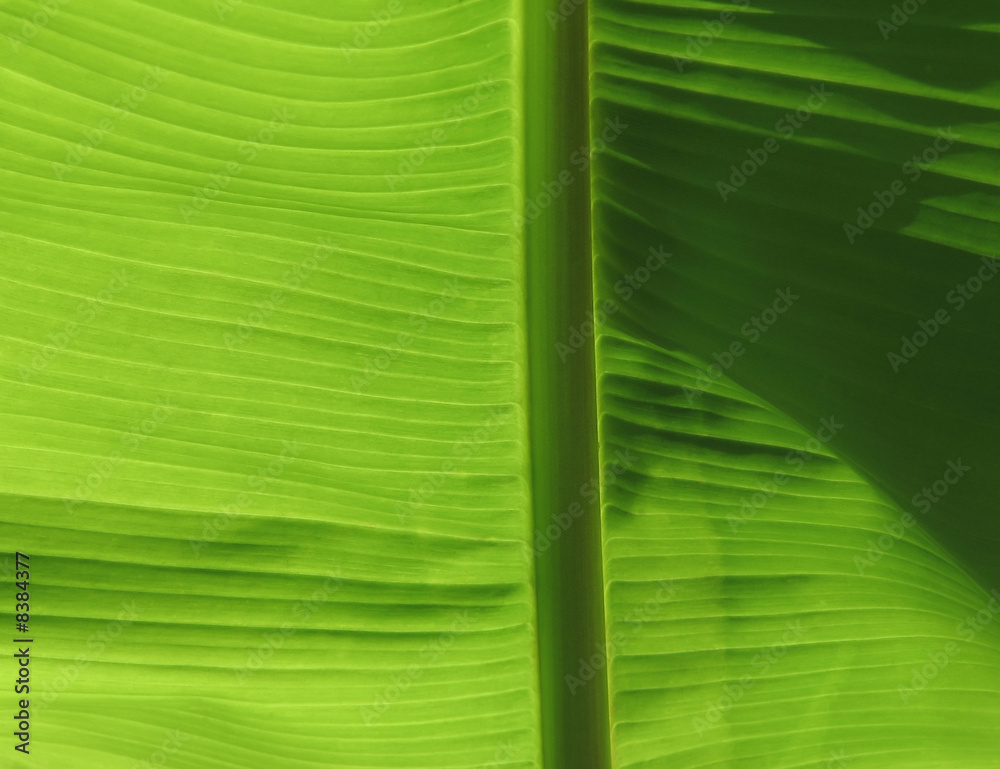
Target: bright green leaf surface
{"type": "Point", "coordinates": [288, 425]}
{"type": "Point", "coordinates": [298, 388]}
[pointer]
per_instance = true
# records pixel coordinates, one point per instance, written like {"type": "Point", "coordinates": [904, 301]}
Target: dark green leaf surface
{"type": "Point", "coordinates": [818, 575]}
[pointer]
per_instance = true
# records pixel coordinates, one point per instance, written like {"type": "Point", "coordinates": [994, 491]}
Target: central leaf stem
{"type": "Point", "coordinates": [563, 419]}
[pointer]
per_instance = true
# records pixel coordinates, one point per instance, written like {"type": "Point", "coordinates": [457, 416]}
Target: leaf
{"type": "Point", "coordinates": [311, 389]}
{"type": "Point", "coordinates": [273, 403]}
{"type": "Point", "coordinates": [785, 586]}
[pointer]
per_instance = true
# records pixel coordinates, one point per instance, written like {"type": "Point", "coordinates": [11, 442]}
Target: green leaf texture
{"type": "Point", "coordinates": [285, 415]}
{"type": "Point", "coordinates": [780, 594]}
{"type": "Point", "coordinates": [264, 383]}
